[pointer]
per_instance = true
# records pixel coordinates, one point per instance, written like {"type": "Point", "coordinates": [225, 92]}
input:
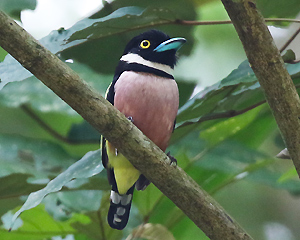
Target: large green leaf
{"type": "Point", "coordinates": [235, 94]}
{"type": "Point", "coordinates": [92, 40]}
{"type": "Point", "coordinates": [12, 187]}
{"type": "Point", "coordinates": [30, 156]}
{"type": "Point", "coordinates": [88, 166]}
{"type": "Point", "coordinates": [14, 7]}
{"type": "Point", "coordinates": [15, 185]}
{"type": "Point", "coordinates": [11, 70]}
{"type": "Point", "coordinates": [41, 98]}
{"type": "Point", "coordinates": [37, 224]}
{"type": "Point", "coordinates": [228, 128]}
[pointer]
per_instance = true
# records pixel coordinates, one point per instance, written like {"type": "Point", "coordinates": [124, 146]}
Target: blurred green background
{"type": "Point", "coordinates": [225, 137]}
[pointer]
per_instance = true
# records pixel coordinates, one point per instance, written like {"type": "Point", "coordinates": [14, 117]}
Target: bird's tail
{"type": "Point", "coordinates": [119, 210]}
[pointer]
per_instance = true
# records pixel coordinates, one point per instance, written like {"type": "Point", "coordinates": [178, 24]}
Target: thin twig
{"type": "Point", "coordinates": [219, 22]}
{"type": "Point", "coordinates": [289, 40]}
{"type": "Point", "coordinates": [49, 129]}
{"type": "Point", "coordinates": [43, 124]}
{"type": "Point", "coordinates": [282, 20]}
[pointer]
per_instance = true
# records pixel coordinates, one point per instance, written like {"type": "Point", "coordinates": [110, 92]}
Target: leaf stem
{"type": "Point", "coordinates": [227, 114]}
{"type": "Point", "coordinates": [289, 40]}
{"type": "Point", "coordinates": [49, 129]}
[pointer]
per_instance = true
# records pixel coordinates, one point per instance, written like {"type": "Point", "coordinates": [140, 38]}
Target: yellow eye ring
{"type": "Point", "coordinates": [145, 44]}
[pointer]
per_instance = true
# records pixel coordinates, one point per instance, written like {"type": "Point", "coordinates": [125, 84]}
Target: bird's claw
{"type": "Point", "coordinates": [130, 119]}
{"type": "Point", "coordinates": [172, 159]}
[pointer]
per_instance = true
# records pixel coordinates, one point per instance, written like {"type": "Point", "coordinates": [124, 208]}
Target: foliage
{"type": "Point", "coordinates": [218, 139]}
{"type": "Point", "coordinates": [14, 7]}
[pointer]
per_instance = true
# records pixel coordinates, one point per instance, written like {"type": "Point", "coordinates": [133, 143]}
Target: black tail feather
{"type": "Point", "coordinates": [119, 210]}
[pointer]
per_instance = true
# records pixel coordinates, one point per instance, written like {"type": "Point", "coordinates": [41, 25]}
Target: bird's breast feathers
{"type": "Point", "coordinates": [152, 102]}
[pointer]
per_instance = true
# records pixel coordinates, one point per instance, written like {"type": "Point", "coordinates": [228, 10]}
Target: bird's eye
{"type": "Point", "coordinates": [145, 44]}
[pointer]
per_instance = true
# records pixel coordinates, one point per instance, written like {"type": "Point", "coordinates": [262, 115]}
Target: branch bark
{"type": "Point", "coordinates": [142, 153]}
{"type": "Point", "coordinates": [270, 71]}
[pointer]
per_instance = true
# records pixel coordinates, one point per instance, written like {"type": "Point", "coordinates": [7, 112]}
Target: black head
{"type": "Point", "coordinates": [154, 46]}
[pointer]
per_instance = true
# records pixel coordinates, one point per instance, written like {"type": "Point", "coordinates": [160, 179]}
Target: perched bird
{"type": "Point", "coordinates": [144, 90]}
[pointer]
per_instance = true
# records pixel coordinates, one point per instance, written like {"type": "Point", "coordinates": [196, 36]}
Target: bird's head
{"type": "Point", "coordinates": [155, 46]}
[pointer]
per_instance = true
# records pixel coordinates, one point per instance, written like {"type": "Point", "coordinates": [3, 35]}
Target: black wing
{"type": "Point", "coordinates": [110, 95]}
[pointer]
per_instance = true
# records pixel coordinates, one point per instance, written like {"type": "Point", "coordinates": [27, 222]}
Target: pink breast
{"type": "Point", "coordinates": [151, 101]}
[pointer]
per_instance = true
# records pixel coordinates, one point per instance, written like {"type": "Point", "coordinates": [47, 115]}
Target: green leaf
{"type": "Point", "coordinates": [14, 7]}
{"type": "Point", "coordinates": [186, 229]}
{"type": "Point", "coordinates": [12, 187]}
{"type": "Point", "coordinates": [86, 167]}
{"type": "Point", "coordinates": [31, 156]}
{"type": "Point", "coordinates": [257, 131]}
{"type": "Point", "coordinates": [235, 94]}
{"type": "Point", "coordinates": [185, 90]}
{"type": "Point", "coordinates": [215, 101]}
{"type": "Point", "coordinates": [41, 98]}
{"type": "Point", "coordinates": [16, 185]}
{"type": "Point", "coordinates": [234, 161]}
{"type": "Point", "coordinates": [289, 56]}
{"type": "Point", "coordinates": [3, 53]}
{"type": "Point", "coordinates": [242, 74]}
{"type": "Point", "coordinates": [279, 9]}
{"type": "Point", "coordinates": [11, 70]}
{"type": "Point", "coordinates": [228, 127]}
{"type": "Point", "coordinates": [86, 200]}
{"type": "Point", "coordinates": [290, 174]}
{"type": "Point", "coordinates": [92, 230]}
{"type": "Point", "coordinates": [274, 178]}
{"type": "Point", "coordinates": [38, 224]}
{"type": "Point", "coordinates": [33, 92]}
{"type": "Point", "coordinates": [83, 132]}
{"type": "Point", "coordinates": [93, 29]}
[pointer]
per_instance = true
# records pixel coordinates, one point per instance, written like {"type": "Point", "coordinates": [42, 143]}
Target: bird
{"type": "Point", "coordinates": [144, 90]}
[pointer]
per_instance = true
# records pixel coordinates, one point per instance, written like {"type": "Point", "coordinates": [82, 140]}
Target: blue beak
{"type": "Point", "coordinates": [171, 44]}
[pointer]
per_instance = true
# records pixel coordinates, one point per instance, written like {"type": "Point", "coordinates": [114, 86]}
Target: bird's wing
{"type": "Point", "coordinates": [109, 95]}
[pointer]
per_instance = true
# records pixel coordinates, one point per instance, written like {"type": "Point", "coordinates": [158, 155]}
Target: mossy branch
{"type": "Point", "coordinates": [269, 68]}
{"type": "Point", "coordinates": [202, 209]}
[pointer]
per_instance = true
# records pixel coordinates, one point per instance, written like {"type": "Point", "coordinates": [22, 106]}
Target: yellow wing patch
{"type": "Point", "coordinates": [125, 174]}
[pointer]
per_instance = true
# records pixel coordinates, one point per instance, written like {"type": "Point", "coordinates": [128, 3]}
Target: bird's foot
{"type": "Point", "coordinates": [173, 159]}
{"type": "Point", "coordinates": [130, 119]}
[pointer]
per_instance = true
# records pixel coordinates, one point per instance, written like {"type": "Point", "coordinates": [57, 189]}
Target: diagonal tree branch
{"type": "Point", "coordinates": [142, 153]}
{"type": "Point", "coordinates": [270, 71]}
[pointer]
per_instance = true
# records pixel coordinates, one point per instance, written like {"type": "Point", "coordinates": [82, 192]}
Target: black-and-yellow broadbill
{"type": "Point", "coordinates": [145, 91]}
